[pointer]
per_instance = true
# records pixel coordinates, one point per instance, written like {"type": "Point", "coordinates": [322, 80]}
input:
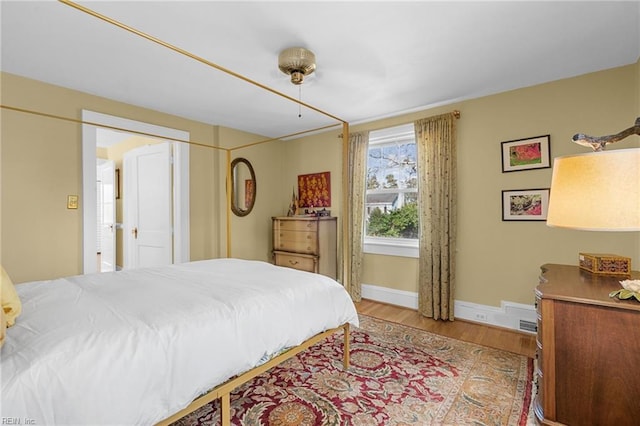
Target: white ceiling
{"type": "Point", "coordinates": [374, 59]}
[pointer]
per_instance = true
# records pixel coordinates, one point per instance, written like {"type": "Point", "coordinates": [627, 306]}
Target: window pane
{"type": "Point", "coordinates": [392, 166]}
{"type": "Point", "coordinates": [411, 197]}
{"type": "Point", "coordinates": [395, 223]}
{"type": "Point", "coordinates": [392, 181]}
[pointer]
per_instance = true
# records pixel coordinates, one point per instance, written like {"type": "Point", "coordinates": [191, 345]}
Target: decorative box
{"type": "Point", "coordinates": [609, 264]}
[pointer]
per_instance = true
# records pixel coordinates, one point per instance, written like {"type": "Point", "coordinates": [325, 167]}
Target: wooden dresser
{"type": "Point", "coordinates": [306, 243]}
{"type": "Point", "coordinates": [588, 355]}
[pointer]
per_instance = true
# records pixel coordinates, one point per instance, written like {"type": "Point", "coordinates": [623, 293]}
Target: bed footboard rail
{"type": "Point", "coordinates": [224, 390]}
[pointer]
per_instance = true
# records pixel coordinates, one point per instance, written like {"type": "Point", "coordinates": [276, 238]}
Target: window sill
{"type": "Point", "coordinates": [391, 247]}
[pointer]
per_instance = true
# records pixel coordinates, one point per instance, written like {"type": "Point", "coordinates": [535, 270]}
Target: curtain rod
{"type": "Point", "coordinates": [455, 113]}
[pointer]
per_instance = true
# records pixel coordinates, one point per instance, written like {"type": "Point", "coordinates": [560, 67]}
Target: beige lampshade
{"type": "Point", "coordinates": [598, 191]}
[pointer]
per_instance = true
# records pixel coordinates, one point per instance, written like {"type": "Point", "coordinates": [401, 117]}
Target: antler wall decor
{"type": "Point", "coordinates": [598, 143]}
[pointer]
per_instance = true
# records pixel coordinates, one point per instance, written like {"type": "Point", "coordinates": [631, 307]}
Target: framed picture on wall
{"type": "Point", "coordinates": [314, 190]}
{"type": "Point", "coordinates": [526, 154]}
{"type": "Point", "coordinates": [525, 204]}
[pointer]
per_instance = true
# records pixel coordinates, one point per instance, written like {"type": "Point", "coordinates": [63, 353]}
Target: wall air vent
{"type": "Point", "coordinates": [528, 326]}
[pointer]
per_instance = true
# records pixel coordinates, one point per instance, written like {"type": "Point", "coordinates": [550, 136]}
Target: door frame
{"type": "Point", "coordinates": [181, 240]}
{"type": "Point", "coordinates": [110, 165]}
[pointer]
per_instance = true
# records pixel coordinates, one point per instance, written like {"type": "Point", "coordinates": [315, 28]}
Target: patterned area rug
{"type": "Point", "coordinates": [399, 375]}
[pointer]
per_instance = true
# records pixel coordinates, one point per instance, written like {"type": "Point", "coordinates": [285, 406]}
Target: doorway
{"type": "Point", "coordinates": [180, 181]}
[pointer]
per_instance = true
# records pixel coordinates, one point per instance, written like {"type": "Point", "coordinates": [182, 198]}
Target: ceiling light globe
{"type": "Point", "coordinates": [297, 62]}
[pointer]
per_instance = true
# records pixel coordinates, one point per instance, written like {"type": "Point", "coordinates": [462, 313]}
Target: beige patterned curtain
{"type": "Point", "coordinates": [436, 146]}
{"type": "Point", "coordinates": [357, 171]}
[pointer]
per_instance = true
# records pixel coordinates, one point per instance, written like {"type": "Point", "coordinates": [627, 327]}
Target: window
{"type": "Point", "coordinates": [391, 206]}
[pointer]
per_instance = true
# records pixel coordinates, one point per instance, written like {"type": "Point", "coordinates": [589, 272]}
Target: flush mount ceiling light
{"type": "Point", "coordinates": [297, 62]}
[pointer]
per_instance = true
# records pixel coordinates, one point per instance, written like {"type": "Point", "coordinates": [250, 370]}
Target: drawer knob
{"type": "Point", "coordinates": [293, 262]}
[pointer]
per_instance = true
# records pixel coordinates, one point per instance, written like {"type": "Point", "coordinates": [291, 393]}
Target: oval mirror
{"type": "Point", "coordinates": [243, 189]}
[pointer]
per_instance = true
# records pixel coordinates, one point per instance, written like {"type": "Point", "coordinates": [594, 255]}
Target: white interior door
{"type": "Point", "coordinates": [148, 206]}
{"type": "Point", "coordinates": [106, 215]}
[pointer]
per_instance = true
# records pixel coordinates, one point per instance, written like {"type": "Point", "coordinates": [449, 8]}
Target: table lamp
{"type": "Point", "coordinates": [598, 191]}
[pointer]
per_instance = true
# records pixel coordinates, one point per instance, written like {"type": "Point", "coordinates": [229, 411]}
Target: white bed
{"type": "Point", "coordinates": [135, 347]}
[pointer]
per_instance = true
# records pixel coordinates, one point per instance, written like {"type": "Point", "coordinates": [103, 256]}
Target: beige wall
{"type": "Point", "coordinates": [251, 234]}
{"type": "Point", "coordinates": [41, 164]}
{"type": "Point", "coordinates": [636, 85]}
{"type": "Point", "coordinates": [499, 260]}
{"type": "Point", "coordinates": [314, 154]}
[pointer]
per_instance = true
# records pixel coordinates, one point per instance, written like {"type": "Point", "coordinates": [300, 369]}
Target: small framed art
{"type": "Point", "coordinates": [525, 204]}
{"type": "Point", "coordinates": [526, 154]}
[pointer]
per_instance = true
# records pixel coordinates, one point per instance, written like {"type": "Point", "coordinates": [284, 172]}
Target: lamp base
{"type": "Point", "coordinates": [606, 264]}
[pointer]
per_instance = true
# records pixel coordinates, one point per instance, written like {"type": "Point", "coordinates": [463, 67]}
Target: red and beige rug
{"type": "Point", "coordinates": [399, 375]}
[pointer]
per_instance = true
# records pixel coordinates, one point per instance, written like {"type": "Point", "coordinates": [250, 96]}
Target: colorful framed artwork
{"type": "Point", "coordinates": [526, 154]}
{"type": "Point", "coordinates": [525, 204]}
{"type": "Point", "coordinates": [314, 190]}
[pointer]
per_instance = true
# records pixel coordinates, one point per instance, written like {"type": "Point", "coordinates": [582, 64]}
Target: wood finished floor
{"type": "Point", "coordinates": [495, 337]}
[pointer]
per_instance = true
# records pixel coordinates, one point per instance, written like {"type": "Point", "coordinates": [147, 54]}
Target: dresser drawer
{"type": "Point", "coordinates": [296, 241]}
{"type": "Point", "coordinates": [296, 261]}
{"type": "Point", "coordinates": [296, 225]}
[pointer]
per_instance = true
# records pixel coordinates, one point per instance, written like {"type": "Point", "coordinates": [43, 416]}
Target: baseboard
{"type": "Point", "coordinates": [392, 296]}
{"type": "Point", "coordinates": [516, 316]}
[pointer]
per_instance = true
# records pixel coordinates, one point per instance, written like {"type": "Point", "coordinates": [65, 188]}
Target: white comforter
{"type": "Point", "coordinates": [134, 347]}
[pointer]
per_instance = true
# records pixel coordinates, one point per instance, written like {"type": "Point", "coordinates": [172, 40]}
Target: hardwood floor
{"type": "Point", "coordinates": [495, 337]}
